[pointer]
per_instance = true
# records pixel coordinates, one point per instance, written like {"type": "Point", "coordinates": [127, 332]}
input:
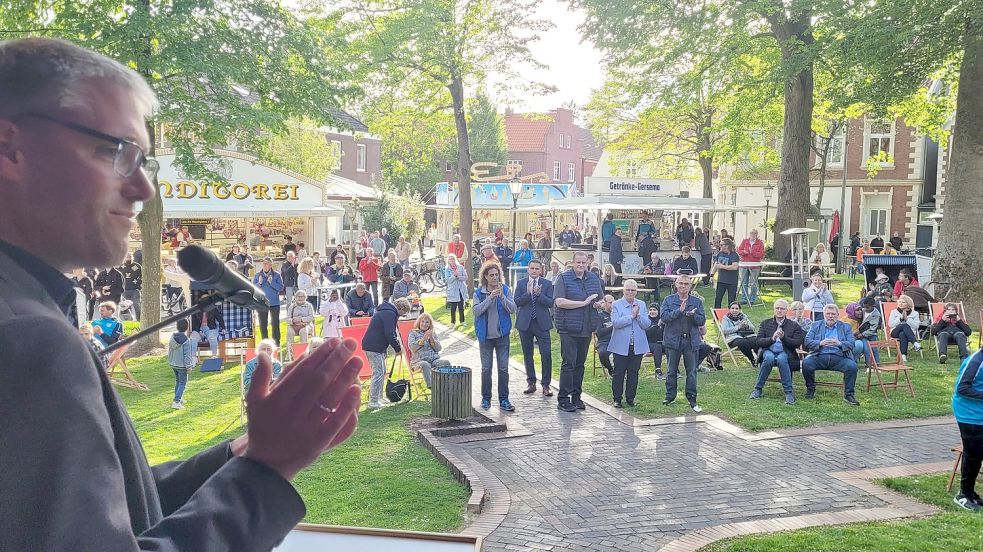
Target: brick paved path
{"type": "Point", "coordinates": [587, 481]}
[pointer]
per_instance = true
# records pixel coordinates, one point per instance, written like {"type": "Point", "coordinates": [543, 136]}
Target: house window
{"type": "Point", "coordinates": [360, 158]}
{"type": "Point", "coordinates": [337, 153]}
{"type": "Point", "coordinates": [880, 142]}
{"type": "Point", "coordinates": [563, 140]}
{"type": "Point", "coordinates": [448, 167]}
{"type": "Point", "coordinates": [513, 167]}
{"type": "Point", "coordinates": [556, 171]}
{"type": "Point", "coordinates": [835, 157]}
{"type": "Point", "coordinates": [570, 173]}
{"type": "Point", "coordinates": [877, 222]}
{"type": "Point", "coordinates": [631, 169]}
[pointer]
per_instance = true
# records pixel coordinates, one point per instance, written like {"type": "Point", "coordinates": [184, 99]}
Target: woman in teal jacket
{"type": "Point", "coordinates": [967, 407]}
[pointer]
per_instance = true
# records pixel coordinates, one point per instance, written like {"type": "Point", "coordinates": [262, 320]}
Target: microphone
{"type": "Point", "coordinates": [203, 266]}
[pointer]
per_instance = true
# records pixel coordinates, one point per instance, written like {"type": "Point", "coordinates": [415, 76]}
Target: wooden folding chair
{"type": "Point", "coordinates": [958, 449]}
{"type": "Point", "coordinates": [359, 321]}
{"type": "Point", "coordinates": [897, 368]}
{"type": "Point", "coordinates": [718, 317]}
{"type": "Point", "coordinates": [420, 385]}
{"type": "Point", "coordinates": [124, 378]}
{"type": "Point", "coordinates": [935, 311]}
{"type": "Point", "coordinates": [886, 308]}
{"type": "Point", "coordinates": [357, 333]}
{"type": "Point", "coordinates": [296, 350]}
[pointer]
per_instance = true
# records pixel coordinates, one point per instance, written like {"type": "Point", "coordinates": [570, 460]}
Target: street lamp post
{"type": "Point", "coordinates": [769, 187]}
{"type": "Point", "coordinates": [515, 187]}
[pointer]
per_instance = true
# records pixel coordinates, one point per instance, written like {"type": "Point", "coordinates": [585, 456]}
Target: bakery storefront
{"type": "Point", "coordinates": [258, 204]}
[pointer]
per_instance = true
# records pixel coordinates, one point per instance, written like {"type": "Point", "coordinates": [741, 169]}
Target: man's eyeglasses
{"type": "Point", "coordinates": [129, 156]}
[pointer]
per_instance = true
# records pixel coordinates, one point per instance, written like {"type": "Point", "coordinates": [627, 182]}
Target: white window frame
{"type": "Point", "coordinates": [563, 140]}
{"type": "Point", "coordinates": [882, 230]}
{"type": "Point", "coordinates": [839, 137]}
{"type": "Point", "coordinates": [360, 154]}
{"type": "Point", "coordinates": [866, 209]}
{"type": "Point", "coordinates": [870, 135]}
{"type": "Point", "coordinates": [448, 167]}
{"type": "Point", "coordinates": [571, 172]}
{"type": "Point", "coordinates": [556, 171]}
{"type": "Point", "coordinates": [338, 152]}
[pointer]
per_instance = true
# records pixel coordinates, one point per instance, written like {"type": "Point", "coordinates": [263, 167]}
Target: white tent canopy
{"type": "Point", "coordinates": [610, 203]}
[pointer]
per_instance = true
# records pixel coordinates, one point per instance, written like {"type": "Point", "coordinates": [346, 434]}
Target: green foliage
{"type": "Point", "coordinates": [302, 149]}
{"type": "Point", "coordinates": [487, 130]}
{"type": "Point", "coordinates": [402, 215]}
{"type": "Point", "coordinates": [350, 485]}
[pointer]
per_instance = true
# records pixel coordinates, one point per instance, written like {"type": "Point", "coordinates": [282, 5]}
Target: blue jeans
{"type": "Point", "coordinates": [672, 373]}
{"type": "Point", "coordinates": [500, 347]}
{"type": "Point", "coordinates": [861, 347]}
{"type": "Point", "coordinates": [180, 382]}
{"type": "Point", "coordinates": [749, 284]}
{"type": "Point", "coordinates": [768, 361]}
{"type": "Point", "coordinates": [212, 337]}
{"type": "Point", "coordinates": [836, 363]}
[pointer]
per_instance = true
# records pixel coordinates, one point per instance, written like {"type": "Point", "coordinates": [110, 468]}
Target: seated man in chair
{"type": "Point", "coordinates": [778, 339]}
{"type": "Point", "coordinates": [830, 345]}
{"type": "Point", "coordinates": [951, 328]}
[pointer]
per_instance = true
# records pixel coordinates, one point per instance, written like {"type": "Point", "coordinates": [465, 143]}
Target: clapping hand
{"type": "Point", "coordinates": [312, 408]}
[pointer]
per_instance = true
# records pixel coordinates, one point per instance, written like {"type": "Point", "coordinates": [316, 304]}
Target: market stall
{"type": "Point", "coordinates": [258, 204]}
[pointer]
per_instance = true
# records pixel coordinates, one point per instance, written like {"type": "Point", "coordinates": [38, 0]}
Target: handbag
{"type": "Point", "coordinates": [395, 390]}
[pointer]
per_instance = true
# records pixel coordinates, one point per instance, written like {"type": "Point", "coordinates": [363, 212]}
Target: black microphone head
{"type": "Point", "coordinates": [199, 263]}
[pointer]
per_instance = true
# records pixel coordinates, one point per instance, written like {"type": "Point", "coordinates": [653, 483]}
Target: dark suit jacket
{"type": "Point", "coordinates": [74, 474]}
{"type": "Point", "coordinates": [526, 305]}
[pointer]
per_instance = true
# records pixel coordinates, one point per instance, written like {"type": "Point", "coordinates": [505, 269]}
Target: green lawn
{"type": "Point", "coordinates": [725, 393]}
{"type": "Point", "coordinates": [953, 529]}
{"type": "Point", "coordinates": [381, 477]}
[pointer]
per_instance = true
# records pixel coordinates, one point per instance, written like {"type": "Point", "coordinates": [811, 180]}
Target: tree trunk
{"type": "Point", "coordinates": [957, 259]}
{"type": "Point", "coordinates": [151, 220]}
{"type": "Point", "coordinates": [823, 161]}
{"type": "Point", "coordinates": [793, 183]}
{"type": "Point", "coordinates": [706, 166]}
{"type": "Point", "coordinates": [456, 88]}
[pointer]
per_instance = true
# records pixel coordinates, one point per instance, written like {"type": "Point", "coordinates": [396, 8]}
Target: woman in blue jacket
{"type": "Point", "coordinates": [967, 407]}
{"type": "Point", "coordinates": [521, 258]}
{"type": "Point", "coordinates": [493, 309]}
{"type": "Point", "coordinates": [683, 316]}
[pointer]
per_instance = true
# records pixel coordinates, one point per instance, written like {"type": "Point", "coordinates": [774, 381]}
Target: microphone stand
{"type": "Point", "coordinates": [206, 303]}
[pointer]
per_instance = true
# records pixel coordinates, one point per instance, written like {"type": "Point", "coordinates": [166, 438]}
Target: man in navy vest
{"type": "Point", "coordinates": [575, 290]}
{"type": "Point", "coordinates": [534, 298]}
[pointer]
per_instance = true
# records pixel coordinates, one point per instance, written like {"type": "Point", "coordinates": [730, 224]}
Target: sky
{"type": "Point", "coordinates": [572, 67]}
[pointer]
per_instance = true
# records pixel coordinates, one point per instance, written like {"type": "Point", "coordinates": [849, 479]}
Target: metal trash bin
{"type": "Point", "coordinates": [451, 394]}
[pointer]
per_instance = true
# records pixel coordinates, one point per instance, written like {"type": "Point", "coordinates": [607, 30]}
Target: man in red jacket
{"type": "Point", "coordinates": [751, 252]}
{"type": "Point", "coordinates": [369, 267]}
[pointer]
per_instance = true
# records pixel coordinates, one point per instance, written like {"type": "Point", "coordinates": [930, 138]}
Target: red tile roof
{"type": "Point", "coordinates": [527, 132]}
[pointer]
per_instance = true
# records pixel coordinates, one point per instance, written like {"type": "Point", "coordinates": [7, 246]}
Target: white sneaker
{"type": "Point", "coordinates": [696, 408]}
{"type": "Point", "coordinates": [918, 346]}
{"type": "Point", "coordinates": [375, 405]}
{"type": "Point", "coordinates": [904, 358]}
{"type": "Point", "coordinates": [177, 405]}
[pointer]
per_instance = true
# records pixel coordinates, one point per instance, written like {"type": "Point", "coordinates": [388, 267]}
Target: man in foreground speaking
{"type": "Point", "coordinates": [75, 477]}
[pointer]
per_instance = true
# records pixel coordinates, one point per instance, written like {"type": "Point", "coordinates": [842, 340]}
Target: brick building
{"type": "Point", "coordinates": [897, 198]}
{"type": "Point", "coordinates": [551, 143]}
{"type": "Point", "coordinates": [359, 153]}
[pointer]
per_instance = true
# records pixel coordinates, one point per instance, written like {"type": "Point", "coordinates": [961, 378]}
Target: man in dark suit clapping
{"type": "Point", "coordinates": [534, 298]}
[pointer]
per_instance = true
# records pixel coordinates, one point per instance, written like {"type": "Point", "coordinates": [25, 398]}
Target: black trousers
{"type": "Point", "coordinates": [573, 355]}
{"type": "Point", "coordinates": [605, 358]}
{"type": "Point", "coordinates": [747, 345]}
{"type": "Point", "coordinates": [626, 368]}
{"type": "Point", "coordinates": [972, 437]}
{"type": "Point", "coordinates": [722, 288]}
{"type": "Point", "coordinates": [455, 307]}
{"type": "Point", "coordinates": [545, 355]}
{"type": "Point", "coordinates": [265, 317]}
{"type": "Point", "coordinates": [705, 264]}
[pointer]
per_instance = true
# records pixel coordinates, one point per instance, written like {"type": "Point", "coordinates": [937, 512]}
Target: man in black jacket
{"type": "Point", "coordinates": [380, 336]}
{"type": "Point", "coordinates": [951, 328]}
{"type": "Point", "coordinates": [778, 338]}
{"type": "Point", "coordinates": [132, 282]}
{"type": "Point", "coordinates": [75, 476]}
{"type": "Point", "coordinates": [109, 284]}
{"type": "Point", "coordinates": [617, 253]}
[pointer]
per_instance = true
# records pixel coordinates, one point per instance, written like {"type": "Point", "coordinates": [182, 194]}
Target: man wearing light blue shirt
{"type": "Point", "coordinates": [830, 346]}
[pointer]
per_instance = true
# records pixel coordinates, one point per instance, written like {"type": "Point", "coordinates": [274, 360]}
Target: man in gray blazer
{"type": "Point", "coordinates": [75, 477]}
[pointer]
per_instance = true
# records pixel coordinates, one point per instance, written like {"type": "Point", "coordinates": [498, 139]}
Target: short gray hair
{"type": "Point", "coordinates": [43, 74]}
{"type": "Point", "coordinates": [402, 305]}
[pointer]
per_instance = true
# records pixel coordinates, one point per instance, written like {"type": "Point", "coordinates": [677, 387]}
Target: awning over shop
{"type": "Point", "coordinates": [610, 203]}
